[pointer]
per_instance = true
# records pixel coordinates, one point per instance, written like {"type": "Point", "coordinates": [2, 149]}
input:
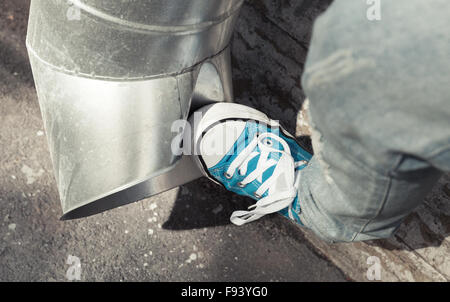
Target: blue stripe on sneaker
{"type": "Point", "coordinates": [251, 129]}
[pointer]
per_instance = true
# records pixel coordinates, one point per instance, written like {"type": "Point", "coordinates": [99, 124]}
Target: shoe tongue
{"type": "Point", "coordinates": [285, 179]}
{"type": "Point", "coordinates": [281, 183]}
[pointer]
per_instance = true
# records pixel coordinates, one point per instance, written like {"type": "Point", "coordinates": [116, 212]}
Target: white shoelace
{"type": "Point", "coordinates": [273, 202]}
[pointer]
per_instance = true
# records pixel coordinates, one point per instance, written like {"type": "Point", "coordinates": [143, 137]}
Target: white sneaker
{"type": "Point", "coordinates": [242, 149]}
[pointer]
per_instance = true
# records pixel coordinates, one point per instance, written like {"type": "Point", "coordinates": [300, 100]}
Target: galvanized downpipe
{"type": "Point", "coordinates": [112, 77]}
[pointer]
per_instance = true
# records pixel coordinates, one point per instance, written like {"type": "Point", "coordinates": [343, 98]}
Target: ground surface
{"type": "Point", "coordinates": [181, 235]}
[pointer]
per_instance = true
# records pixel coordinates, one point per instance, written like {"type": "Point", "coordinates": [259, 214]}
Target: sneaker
{"type": "Point", "coordinates": [242, 149]}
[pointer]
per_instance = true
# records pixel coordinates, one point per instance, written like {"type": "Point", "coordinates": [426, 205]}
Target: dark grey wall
{"type": "Point", "coordinates": [269, 49]}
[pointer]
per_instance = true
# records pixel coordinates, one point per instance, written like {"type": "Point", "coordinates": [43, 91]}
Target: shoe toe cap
{"type": "Point", "coordinates": [218, 140]}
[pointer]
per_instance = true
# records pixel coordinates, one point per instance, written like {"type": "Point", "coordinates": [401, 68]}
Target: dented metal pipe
{"type": "Point", "coordinates": [112, 77]}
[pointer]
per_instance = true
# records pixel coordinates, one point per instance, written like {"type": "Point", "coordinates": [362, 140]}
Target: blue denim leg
{"type": "Point", "coordinates": [379, 96]}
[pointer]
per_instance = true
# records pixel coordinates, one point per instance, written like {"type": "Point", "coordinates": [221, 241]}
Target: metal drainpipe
{"type": "Point", "coordinates": [111, 78]}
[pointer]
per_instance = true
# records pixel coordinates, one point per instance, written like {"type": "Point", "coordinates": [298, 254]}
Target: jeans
{"type": "Point", "coordinates": [379, 96]}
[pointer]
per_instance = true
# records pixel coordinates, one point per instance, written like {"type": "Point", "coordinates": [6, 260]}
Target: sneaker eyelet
{"type": "Point", "coordinates": [301, 163]}
{"type": "Point", "coordinates": [227, 176]}
{"type": "Point", "coordinates": [268, 142]}
{"type": "Point", "coordinates": [241, 185]}
{"type": "Point", "coordinates": [257, 196]}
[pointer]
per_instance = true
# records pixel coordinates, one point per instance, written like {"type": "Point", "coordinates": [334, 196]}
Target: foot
{"type": "Point", "coordinates": [242, 149]}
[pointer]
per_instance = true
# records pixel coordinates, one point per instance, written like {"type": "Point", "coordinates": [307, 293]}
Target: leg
{"type": "Point", "coordinates": [379, 105]}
